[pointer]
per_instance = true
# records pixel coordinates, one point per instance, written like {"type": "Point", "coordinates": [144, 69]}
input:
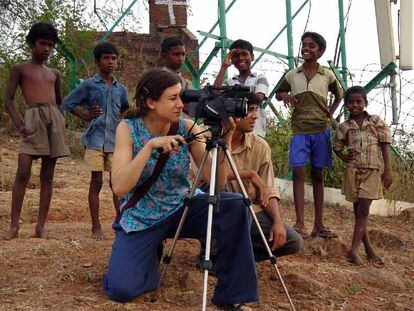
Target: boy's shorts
{"type": "Point", "coordinates": [97, 160]}
{"type": "Point", "coordinates": [362, 183]}
{"type": "Point", "coordinates": [48, 126]}
{"type": "Point", "coordinates": [316, 146]}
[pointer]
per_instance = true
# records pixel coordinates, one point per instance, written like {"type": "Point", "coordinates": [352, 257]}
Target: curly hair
{"type": "Point", "coordinates": [104, 47]}
{"type": "Point", "coordinates": [42, 30]}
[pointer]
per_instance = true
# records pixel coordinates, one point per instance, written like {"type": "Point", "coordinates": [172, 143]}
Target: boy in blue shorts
{"type": "Point", "coordinates": [105, 99]}
{"type": "Point", "coordinates": [367, 138]}
{"type": "Point", "coordinates": [305, 90]}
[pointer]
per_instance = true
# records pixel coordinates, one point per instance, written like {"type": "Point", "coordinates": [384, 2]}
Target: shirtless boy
{"type": "Point", "coordinates": [43, 126]}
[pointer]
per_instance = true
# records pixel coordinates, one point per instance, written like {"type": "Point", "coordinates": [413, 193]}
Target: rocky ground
{"type": "Point", "coordinates": [63, 271]}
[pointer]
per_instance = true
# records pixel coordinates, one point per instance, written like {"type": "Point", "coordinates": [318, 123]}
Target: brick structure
{"type": "Point", "coordinates": [140, 52]}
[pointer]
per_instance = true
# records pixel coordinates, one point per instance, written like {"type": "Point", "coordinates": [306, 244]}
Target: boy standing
{"type": "Point", "coordinates": [105, 100]}
{"type": "Point", "coordinates": [173, 54]}
{"type": "Point", "coordinates": [241, 55]}
{"type": "Point", "coordinates": [305, 90]}
{"type": "Point", "coordinates": [43, 128]}
{"type": "Point", "coordinates": [367, 138]}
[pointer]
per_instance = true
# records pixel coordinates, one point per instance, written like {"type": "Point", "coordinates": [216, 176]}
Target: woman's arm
{"type": "Point", "coordinates": [126, 170]}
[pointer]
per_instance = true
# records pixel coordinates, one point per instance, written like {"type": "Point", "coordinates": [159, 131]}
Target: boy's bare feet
{"type": "Point", "coordinates": [39, 233]}
{"type": "Point", "coordinates": [374, 258]}
{"type": "Point", "coordinates": [97, 234]}
{"type": "Point", "coordinates": [354, 258]}
{"type": "Point", "coordinates": [12, 233]}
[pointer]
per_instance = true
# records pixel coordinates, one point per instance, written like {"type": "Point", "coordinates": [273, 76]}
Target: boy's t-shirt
{"type": "Point", "coordinates": [311, 114]}
{"type": "Point", "coordinates": [254, 154]}
{"type": "Point", "coordinates": [365, 141]}
{"type": "Point", "coordinates": [113, 100]}
{"type": "Point", "coordinates": [261, 85]}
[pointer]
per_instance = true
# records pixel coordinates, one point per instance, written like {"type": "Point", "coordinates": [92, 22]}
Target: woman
{"type": "Point", "coordinates": [133, 266]}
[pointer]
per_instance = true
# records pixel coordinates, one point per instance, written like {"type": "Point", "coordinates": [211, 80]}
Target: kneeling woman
{"type": "Point", "coordinates": [133, 266]}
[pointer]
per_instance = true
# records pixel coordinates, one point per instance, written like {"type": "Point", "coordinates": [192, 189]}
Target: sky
{"type": "Point", "coordinates": [259, 21]}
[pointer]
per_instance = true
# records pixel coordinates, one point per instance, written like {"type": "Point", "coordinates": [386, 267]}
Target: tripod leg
{"type": "Point", "coordinates": [212, 200]}
{"type": "Point", "coordinates": [167, 258]}
{"type": "Point", "coordinates": [272, 257]}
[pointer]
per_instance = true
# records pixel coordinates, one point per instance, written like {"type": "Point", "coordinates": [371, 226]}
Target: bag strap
{"type": "Point", "coordinates": [146, 185]}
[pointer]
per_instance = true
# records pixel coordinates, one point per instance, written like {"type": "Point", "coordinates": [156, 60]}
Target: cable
{"type": "Point", "coordinates": [304, 29]}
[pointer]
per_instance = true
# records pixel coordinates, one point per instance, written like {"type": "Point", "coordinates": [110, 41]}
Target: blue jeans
{"type": "Point", "coordinates": [133, 266]}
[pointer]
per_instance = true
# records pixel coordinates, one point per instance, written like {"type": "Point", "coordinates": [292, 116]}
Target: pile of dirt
{"type": "Point", "coordinates": [64, 271]}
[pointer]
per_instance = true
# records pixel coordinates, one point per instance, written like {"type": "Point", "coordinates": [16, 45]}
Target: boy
{"type": "Point", "coordinates": [368, 159]}
{"type": "Point", "coordinates": [43, 128]}
{"type": "Point", "coordinates": [173, 54]}
{"type": "Point", "coordinates": [105, 100]}
{"type": "Point", "coordinates": [305, 90]}
{"type": "Point", "coordinates": [253, 159]}
{"type": "Point", "coordinates": [241, 55]}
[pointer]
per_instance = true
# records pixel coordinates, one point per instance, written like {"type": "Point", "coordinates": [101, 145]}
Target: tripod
{"type": "Point", "coordinates": [214, 144]}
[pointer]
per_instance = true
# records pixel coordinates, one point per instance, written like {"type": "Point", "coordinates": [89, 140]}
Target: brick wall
{"type": "Point", "coordinates": [139, 52]}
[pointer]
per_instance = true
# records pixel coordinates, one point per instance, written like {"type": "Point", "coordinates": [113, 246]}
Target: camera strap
{"type": "Point", "coordinates": [146, 185]}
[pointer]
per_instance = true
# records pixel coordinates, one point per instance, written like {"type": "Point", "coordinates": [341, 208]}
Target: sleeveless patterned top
{"type": "Point", "coordinates": [169, 190]}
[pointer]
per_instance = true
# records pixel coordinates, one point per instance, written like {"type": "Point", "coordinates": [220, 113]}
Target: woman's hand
{"type": "Point", "coordinates": [166, 143]}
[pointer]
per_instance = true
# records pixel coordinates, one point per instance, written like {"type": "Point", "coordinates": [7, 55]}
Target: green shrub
{"type": "Point", "coordinates": [279, 136]}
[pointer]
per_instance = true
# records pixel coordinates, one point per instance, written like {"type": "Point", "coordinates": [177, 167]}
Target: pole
{"type": "Point", "coordinates": [289, 34]}
{"type": "Point", "coordinates": [342, 40]}
{"type": "Point", "coordinates": [223, 29]}
{"type": "Point", "coordinates": [394, 104]}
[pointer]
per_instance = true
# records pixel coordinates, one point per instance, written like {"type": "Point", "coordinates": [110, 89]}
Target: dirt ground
{"type": "Point", "coordinates": [63, 271]}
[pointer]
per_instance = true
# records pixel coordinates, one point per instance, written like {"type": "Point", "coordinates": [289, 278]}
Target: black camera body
{"type": "Point", "coordinates": [214, 105]}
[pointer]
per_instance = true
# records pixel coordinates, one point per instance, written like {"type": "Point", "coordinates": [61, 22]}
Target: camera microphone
{"type": "Point", "coordinates": [244, 88]}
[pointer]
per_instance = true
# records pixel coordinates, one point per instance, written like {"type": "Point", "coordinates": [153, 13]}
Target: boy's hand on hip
{"type": "Point", "coordinates": [25, 132]}
{"type": "Point", "coordinates": [94, 112]}
{"type": "Point", "coordinates": [288, 101]}
{"type": "Point", "coordinates": [351, 156]}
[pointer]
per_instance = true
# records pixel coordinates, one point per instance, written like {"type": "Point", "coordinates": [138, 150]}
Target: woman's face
{"type": "Point", "coordinates": [169, 106]}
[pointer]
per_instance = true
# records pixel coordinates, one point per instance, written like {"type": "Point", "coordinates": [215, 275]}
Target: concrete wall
{"type": "Point", "coordinates": [333, 196]}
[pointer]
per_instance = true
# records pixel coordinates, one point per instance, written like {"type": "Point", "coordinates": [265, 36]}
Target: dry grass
{"type": "Point", "coordinates": [64, 272]}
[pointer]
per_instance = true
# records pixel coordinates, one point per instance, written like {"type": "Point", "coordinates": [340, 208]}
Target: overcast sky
{"type": "Point", "coordinates": [259, 21]}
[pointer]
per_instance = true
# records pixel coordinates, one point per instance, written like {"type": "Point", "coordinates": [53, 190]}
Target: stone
{"type": "Point", "coordinates": [381, 278]}
{"type": "Point", "coordinates": [189, 281]}
{"type": "Point", "coordinates": [385, 240]}
{"type": "Point", "coordinates": [407, 214]}
{"type": "Point", "coordinates": [190, 298]}
{"type": "Point", "coordinates": [396, 306]}
{"type": "Point", "coordinates": [300, 283]}
{"type": "Point", "coordinates": [326, 248]}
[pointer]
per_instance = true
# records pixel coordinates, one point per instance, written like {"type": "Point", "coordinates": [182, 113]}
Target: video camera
{"type": "Point", "coordinates": [215, 104]}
